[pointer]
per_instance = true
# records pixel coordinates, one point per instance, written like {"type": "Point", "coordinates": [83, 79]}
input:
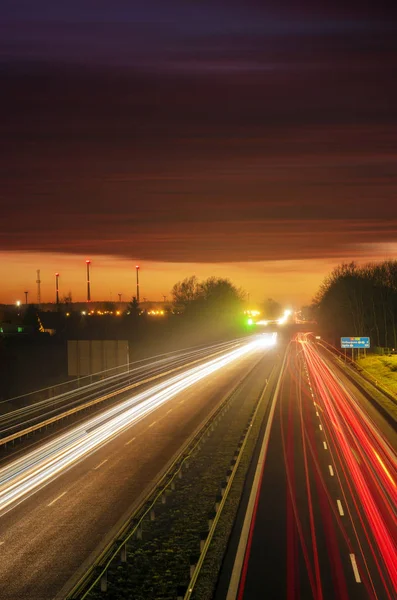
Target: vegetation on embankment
{"type": "Point", "coordinates": [376, 382]}
{"type": "Point", "coordinates": [383, 369]}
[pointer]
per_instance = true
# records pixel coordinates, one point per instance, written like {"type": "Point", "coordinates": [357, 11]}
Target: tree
{"type": "Point", "coordinates": [214, 296]}
{"type": "Point", "coordinates": [360, 301]}
{"type": "Point", "coordinates": [185, 292]}
{"type": "Point", "coordinates": [272, 310]}
{"type": "Point", "coordinates": [31, 318]}
{"type": "Point", "coordinates": [133, 308]}
{"type": "Point", "coordinates": [219, 295]}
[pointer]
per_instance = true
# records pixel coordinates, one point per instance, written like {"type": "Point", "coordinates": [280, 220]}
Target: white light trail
{"type": "Point", "coordinates": [26, 474]}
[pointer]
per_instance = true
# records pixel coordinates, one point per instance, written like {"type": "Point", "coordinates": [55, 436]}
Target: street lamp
{"type": "Point", "coordinates": [88, 262]}
{"type": "Point", "coordinates": [137, 283]}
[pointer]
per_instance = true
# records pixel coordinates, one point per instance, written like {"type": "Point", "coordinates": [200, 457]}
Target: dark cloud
{"type": "Point", "coordinates": [197, 133]}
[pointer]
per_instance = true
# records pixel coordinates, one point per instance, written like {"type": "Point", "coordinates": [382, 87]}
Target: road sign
{"type": "Point", "coordinates": [355, 342]}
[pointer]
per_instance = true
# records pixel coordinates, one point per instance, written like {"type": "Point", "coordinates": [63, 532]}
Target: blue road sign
{"type": "Point", "coordinates": [355, 342]}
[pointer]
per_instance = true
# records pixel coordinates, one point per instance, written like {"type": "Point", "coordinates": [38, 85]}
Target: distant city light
{"type": "Point", "coordinates": [18, 303]}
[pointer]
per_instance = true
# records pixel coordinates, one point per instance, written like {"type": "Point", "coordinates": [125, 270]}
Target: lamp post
{"type": "Point", "coordinates": [88, 262]}
{"type": "Point", "coordinates": [137, 283]}
{"type": "Point", "coordinates": [57, 288]}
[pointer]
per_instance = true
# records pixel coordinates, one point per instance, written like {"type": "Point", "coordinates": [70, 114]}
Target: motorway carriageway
{"type": "Point", "coordinates": [15, 420]}
{"type": "Point", "coordinates": [320, 521]}
{"type": "Point", "coordinates": [59, 502]}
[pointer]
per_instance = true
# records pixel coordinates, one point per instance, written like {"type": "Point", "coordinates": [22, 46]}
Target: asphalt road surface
{"type": "Point", "coordinates": [322, 522]}
{"type": "Point", "coordinates": [49, 531]}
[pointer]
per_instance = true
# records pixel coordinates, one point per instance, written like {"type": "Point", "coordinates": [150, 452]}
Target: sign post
{"type": "Point", "coordinates": [355, 342]}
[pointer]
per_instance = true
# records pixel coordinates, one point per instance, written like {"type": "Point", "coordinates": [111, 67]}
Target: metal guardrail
{"type": "Point", "coordinates": [76, 409]}
{"type": "Point", "coordinates": [117, 546]}
{"type": "Point", "coordinates": [218, 513]}
{"type": "Point", "coordinates": [360, 371]}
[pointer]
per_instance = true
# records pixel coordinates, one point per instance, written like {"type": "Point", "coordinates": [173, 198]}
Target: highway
{"type": "Point", "coordinates": [60, 501]}
{"type": "Point", "coordinates": [320, 520]}
{"type": "Point", "coordinates": [14, 419]}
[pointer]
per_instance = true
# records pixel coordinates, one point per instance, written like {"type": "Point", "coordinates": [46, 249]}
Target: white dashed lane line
{"type": "Point", "coordinates": [100, 464]}
{"type": "Point", "coordinates": [129, 441]}
{"type": "Point", "coordinates": [325, 445]}
{"type": "Point", "coordinates": [56, 499]}
{"type": "Point", "coordinates": [151, 424]}
{"type": "Point", "coordinates": [331, 470]}
{"type": "Point", "coordinates": [355, 568]}
{"type": "Point", "coordinates": [340, 508]}
{"type": "Point", "coordinates": [321, 427]}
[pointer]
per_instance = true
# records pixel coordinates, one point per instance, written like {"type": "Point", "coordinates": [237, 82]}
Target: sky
{"type": "Point", "coordinates": [237, 139]}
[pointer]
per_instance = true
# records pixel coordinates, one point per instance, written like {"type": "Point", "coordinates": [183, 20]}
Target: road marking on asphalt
{"type": "Point", "coordinates": [129, 442]}
{"type": "Point", "coordinates": [56, 499]}
{"type": "Point", "coordinates": [245, 531]}
{"type": "Point", "coordinates": [168, 411]}
{"type": "Point", "coordinates": [181, 401]}
{"type": "Point", "coordinates": [331, 470]}
{"type": "Point", "coordinates": [321, 427]}
{"type": "Point", "coordinates": [340, 508]}
{"type": "Point", "coordinates": [325, 445]}
{"type": "Point", "coordinates": [151, 424]}
{"type": "Point", "coordinates": [317, 413]}
{"type": "Point", "coordinates": [355, 568]}
{"type": "Point", "coordinates": [1, 543]}
{"type": "Point", "coordinates": [100, 464]}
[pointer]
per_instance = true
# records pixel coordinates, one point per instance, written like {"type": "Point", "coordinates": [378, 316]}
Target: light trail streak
{"type": "Point", "coordinates": [370, 462]}
{"type": "Point", "coordinates": [26, 474]}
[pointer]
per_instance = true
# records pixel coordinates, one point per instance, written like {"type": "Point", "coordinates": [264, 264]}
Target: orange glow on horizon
{"type": "Point", "coordinates": [290, 282]}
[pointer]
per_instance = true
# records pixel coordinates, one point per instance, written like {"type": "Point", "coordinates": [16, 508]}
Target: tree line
{"type": "Point", "coordinates": [360, 301]}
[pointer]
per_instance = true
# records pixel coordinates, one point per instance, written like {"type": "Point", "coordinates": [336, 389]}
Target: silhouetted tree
{"type": "Point", "coordinates": [185, 292]}
{"type": "Point", "coordinates": [133, 308]}
{"type": "Point", "coordinates": [31, 317]}
{"type": "Point", "coordinates": [359, 301]}
{"type": "Point", "coordinates": [271, 309]}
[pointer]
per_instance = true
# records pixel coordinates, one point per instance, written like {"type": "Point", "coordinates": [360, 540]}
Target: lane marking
{"type": "Point", "coordinates": [56, 499]}
{"type": "Point", "coordinates": [355, 568]}
{"type": "Point", "coordinates": [317, 413]}
{"type": "Point", "coordinates": [100, 464]}
{"type": "Point", "coordinates": [129, 442]}
{"type": "Point", "coordinates": [321, 427]}
{"type": "Point", "coordinates": [151, 424]}
{"type": "Point", "coordinates": [168, 411]}
{"type": "Point", "coordinates": [340, 508]}
{"type": "Point", "coordinates": [325, 445]}
{"type": "Point", "coordinates": [331, 470]}
{"type": "Point", "coordinates": [242, 553]}
{"type": "Point", "coordinates": [1, 543]}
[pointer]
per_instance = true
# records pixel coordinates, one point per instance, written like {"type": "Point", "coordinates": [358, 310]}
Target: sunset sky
{"type": "Point", "coordinates": [232, 138]}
